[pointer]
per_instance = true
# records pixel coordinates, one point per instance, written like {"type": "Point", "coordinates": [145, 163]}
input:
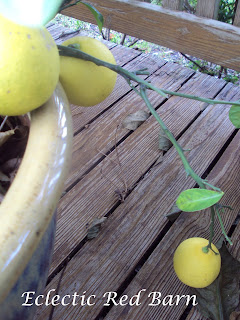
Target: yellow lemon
{"type": "Point", "coordinates": [194, 267]}
{"type": "Point", "coordinates": [29, 67]}
{"type": "Point", "coordinates": [85, 83]}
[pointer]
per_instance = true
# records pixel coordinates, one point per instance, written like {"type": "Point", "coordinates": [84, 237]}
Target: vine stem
{"type": "Point", "coordinates": [209, 246]}
{"type": "Point", "coordinates": [170, 136]}
{"type": "Point", "coordinates": [131, 76]}
{"type": "Point", "coordinates": [76, 53]}
{"type": "Point", "coordinates": [222, 225]}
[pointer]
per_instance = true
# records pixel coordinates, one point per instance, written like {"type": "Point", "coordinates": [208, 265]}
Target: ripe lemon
{"type": "Point", "coordinates": [85, 83]}
{"type": "Point", "coordinates": [194, 267]}
{"type": "Point", "coordinates": [29, 67]}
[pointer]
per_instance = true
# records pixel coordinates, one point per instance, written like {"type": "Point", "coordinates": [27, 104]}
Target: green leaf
{"type": "Point", "coordinates": [97, 15]}
{"type": "Point", "coordinates": [234, 116]}
{"type": "Point", "coordinates": [197, 199]}
{"type": "Point", "coordinates": [221, 298]}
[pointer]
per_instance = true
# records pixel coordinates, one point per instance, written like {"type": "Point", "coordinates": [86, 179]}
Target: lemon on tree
{"type": "Point", "coordinates": [85, 83]}
{"type": "Point", "coordinates": [193, 265]}
{"type": "Point", "coordinates": [29, 67]}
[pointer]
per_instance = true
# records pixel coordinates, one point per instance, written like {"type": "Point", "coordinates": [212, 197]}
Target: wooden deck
{"type": "Point", "coordinates": [122, 175]}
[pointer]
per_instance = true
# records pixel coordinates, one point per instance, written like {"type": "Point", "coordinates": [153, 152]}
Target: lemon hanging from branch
{"type": "Point", "coordinates": [195, 264]}
{"type": "Point", "coordinates": [85, 83]}
{"type": "Point", "coordinates": [29, 67]}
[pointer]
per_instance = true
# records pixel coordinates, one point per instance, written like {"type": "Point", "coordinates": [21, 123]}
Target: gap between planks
{"type": "Point", "coordinates": [94, 195]}
{"type": "Point", "coordinates": [157, 273]}
{"type": "Point", "coordinates": [98, 138]}
{"type": "Point", "coordinates": [125, 221]}
{"type": "Point", "coordinates": [222, 137]}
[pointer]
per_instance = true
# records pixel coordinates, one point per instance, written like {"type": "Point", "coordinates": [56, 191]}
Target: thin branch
{"type": "Point", "coordinates": [170, 136]}
{"type": "Point", "coordinates": [194, 62]}
{"type": "Point", "coordinates": [71, 52]}
{"type": "Point", "coordinates": [221, 224]}
{"type": "Point", "coordinates": [123, 38]}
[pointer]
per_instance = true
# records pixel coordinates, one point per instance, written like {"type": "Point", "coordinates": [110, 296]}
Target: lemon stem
{"type": "Point", "coordinates": [74, 45]}
{"type": "Point", "coordinates": [221, 224]}
{"type": "Point", "coordinates": [209, 246]}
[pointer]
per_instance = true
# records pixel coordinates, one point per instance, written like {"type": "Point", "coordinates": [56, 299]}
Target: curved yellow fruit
{"type": "Point", "coordinates": [194, 267]}
{"type": "Point", "coordinates": [85, 83]}
{"type": "Point", "coordinates": [29, 67]}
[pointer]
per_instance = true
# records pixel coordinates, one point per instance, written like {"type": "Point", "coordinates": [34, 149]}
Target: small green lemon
{"type": "Point", "coordinates": [85, 83]}
{"type": "Point", "coordinates": [29, 67]}
{"type": "Point", "coordinates": [194, 267]}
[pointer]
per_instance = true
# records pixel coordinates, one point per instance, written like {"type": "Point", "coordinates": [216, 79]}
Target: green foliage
{"type": "Point", "coordinates": [193, 3]}
{"type": "Point", "coordinates": [115, 37]}
{"type": "Point", "coordinates": [231, 78]}
{"type": "Point", "coordinates": [197, 199]}
{"type": "Point", "coordinates": [226, 10]}
{"type": "Point", "coordinates": [234, 116]}
{"type": "Point", "coordinates": [97, 15]}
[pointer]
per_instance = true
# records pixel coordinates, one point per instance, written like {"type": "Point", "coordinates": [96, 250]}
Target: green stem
{"type": "Point", "coordinates": [170, 136]}
{"type": "Point", "coordinates": [212, 229]}
{"type": "Point", "coordinates": [212, 226]}
{"type": "Point", "coordinates": [130, 76]}
{"type": "Point", "coordinates": [75, 53]}
{"type": "Point", "coordinates": [222, 226]}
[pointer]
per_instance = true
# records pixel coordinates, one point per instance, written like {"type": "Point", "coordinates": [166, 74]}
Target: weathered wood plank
{"type": "Point", "coordinates": [82, 199]}
{"type": "Point", "coordinates": [81, 205]}
{"type": "Point", "coordinates": [200, 37]}
{"type": "Point", "coordinates": [207, 8]}
{"type": "Point", "coordinates": [157, 273]}
{"type": "Point", "coordinates": [102, 265]}
{"type": "Point", "coordinates": [236, 21]}
{"type": "Point", "coordinates": [90, 145]}
{"type": "Point", "coordinates": [173, 4]}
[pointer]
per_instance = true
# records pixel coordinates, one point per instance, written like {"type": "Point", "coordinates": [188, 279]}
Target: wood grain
{"type": "Point", "coordinates": [157, 273]}
{"type": "Point", "coordinates": [173, 4]}
{"type": "Point", "coordinates": [208, 39]}
{"type": "Point", "coordinates": [103, 264]}
{"type": "Point", "coordinates": [207, 8]}
{"type": "Point", "coordinates": [92, 143]}
{"type": "Point", "coordinates": [80, 205]}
